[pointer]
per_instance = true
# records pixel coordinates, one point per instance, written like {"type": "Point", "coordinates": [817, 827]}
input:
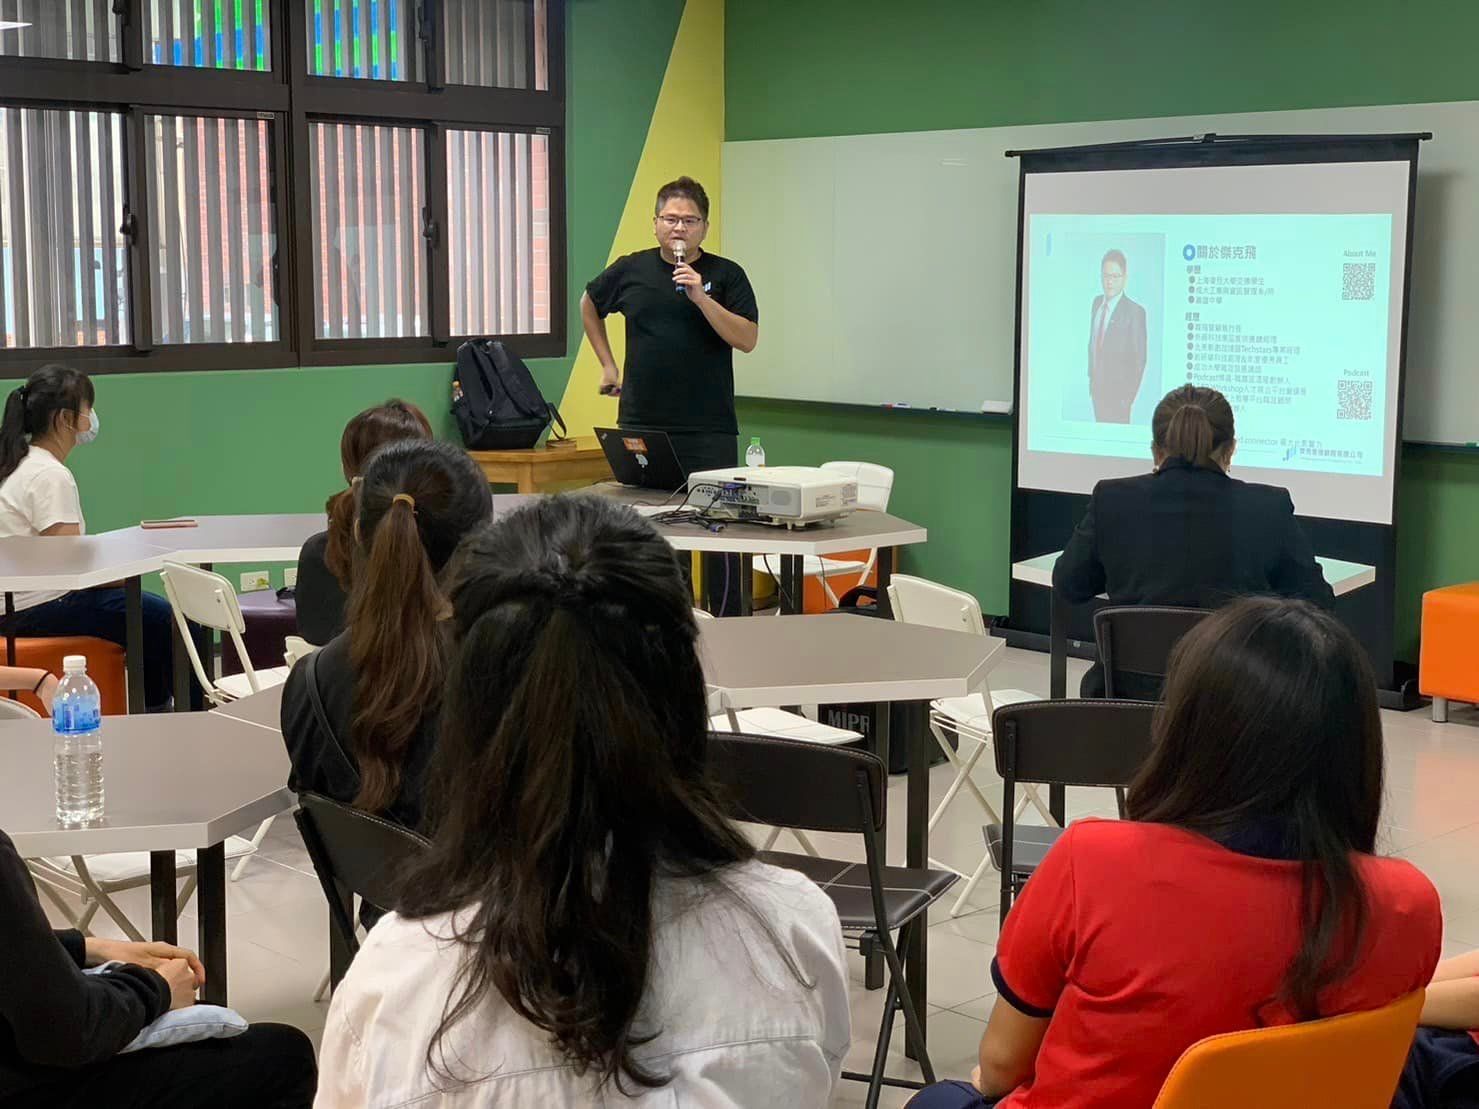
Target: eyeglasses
{"type": "Point", "coordinates": [688, 223]}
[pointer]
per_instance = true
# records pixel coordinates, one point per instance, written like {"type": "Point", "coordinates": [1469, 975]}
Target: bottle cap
{"type": "Point", "coordinates": [754, 440]}
{"type": "Point", "coordinates": [74, 664]}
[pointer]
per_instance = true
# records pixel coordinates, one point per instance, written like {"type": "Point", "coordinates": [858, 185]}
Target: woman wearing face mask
{"type": "Point", "coordinates": [45, 420]}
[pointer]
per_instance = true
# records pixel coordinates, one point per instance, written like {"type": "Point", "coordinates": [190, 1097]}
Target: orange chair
{"type": "Point", "coordinates": [105, 666]}
{"type": "Point", "coordinates": [1351, 1061]}
{"type": "Point", "coordinates": [1450, 645]}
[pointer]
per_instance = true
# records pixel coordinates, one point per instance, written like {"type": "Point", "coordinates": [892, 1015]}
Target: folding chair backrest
{"type": "Point", "coordinates": [1353, 1061]}
{"type": "Point", "coordinates": [1135, 645]}
{"type": "Point", "coordinates": [786, 783]}
{"type": "Point", "coordinates": [918, 601]}
{"type": "Point", "coordinates": [1072, 742]}
{"type": "Point", "coordinates": [205, 598]}
{"type": "Point", "coordinates": [11, 709]}
{"type": "Point", "coordinates": [875, 482]}
{"type": "Point", "coordinates": [295, 648]}
{"type": "Point", "coordinates": [359, 850]}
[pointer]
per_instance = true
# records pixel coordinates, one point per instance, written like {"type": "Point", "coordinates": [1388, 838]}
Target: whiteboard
{"type": "Point", "coordinates": [885, 265]}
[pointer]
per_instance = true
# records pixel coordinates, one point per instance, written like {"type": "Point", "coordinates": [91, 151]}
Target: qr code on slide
{"type": "Point", "coordinates": [1353, 400]}
{"type": "Point", "coordinates": [1358, 281]}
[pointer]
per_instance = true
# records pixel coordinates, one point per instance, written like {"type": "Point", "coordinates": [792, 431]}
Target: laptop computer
{"type": "Point", "coordinates": [642, 457]}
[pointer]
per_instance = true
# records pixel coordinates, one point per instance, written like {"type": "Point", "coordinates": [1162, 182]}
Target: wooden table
{"type": "Point", "coordinates": [537, 469]}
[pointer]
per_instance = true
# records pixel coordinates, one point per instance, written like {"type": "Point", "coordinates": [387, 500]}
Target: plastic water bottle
{"type": "Point", "coordinates": [76, 719]}
{"type": "Point", "coordinates": [755, 453]}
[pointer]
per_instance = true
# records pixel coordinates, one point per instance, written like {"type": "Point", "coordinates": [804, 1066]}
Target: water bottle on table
{"type": "Point", "coordinates": [755, 453]}
{"type": "Point", "coordinates": [76, 719]}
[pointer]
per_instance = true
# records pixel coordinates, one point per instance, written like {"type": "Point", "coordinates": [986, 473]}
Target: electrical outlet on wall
{"type": "Point", "coordinates": [290, 577]}
{"type": "Point", "coordinates": [254, 580]}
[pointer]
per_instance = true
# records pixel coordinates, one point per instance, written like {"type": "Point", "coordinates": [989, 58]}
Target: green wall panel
{"type": "Point", "coordinates": [837, 67]}
{"type": "Point", "coordinates": [268, 440]}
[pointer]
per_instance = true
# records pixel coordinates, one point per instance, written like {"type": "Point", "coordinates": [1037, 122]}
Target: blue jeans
{"type": "Point", "coordinates": [101, 613]}
{"type": "Point", "coordinates": [951, 1094]}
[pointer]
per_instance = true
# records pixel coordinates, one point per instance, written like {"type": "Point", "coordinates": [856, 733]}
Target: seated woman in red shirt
{"type": "Point", "coordinates": [1244, 891]}
{"type": "Point", "coordinates": [1442, 1069]}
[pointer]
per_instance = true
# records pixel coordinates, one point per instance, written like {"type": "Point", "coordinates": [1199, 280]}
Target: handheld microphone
{"type": "Point", "coordinates": [679, 246]}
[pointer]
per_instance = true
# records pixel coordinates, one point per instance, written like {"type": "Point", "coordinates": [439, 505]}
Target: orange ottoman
{"type": "Point", "coordinates": [1449, 667]}
{"type": "Point", "coordinates": [105, 666]}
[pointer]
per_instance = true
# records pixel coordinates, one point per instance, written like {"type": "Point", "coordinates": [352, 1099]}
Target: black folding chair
{"type": "Point", "coordinates": [1059, 743]}
{"type": "Point", "coordinates": [353, 852]}
{"type": "Point", "coordinates": [1135, 645]}
{"type": "Point", "coordinates": [786, 783]}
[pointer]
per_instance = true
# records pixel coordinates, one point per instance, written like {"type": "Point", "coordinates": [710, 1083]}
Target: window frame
{"type": "Point", "coordinates": [290, 99]}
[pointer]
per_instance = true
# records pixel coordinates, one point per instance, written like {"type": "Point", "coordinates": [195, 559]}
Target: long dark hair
{"type": "Point", "coordinates": [374, 427]}
{"type": "Point", "coordinates": [1195, 424]}
{"type": "Point", "coordinates": [1271, 718]}
{"type": "Point", "coordinates": [32, 409]}
{"type": "Point", "coordinates": [417, 500]}
{"type": "Point", "coordinates": [570, 776]}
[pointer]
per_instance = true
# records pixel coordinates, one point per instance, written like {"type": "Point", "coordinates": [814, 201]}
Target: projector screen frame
{"type": "Point", "coordinates": [1042, 521]}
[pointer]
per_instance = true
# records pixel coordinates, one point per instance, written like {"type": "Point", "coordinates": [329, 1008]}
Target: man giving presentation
{"type": "Point", "coordinates": [1116, 345]}
{"type": "Point", "coordinates": [686, 311]}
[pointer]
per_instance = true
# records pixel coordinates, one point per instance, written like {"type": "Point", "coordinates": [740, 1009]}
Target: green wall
{"type": "Point", "coordinates": [835, 67]}
{"type": "Point", "coordinates": [268, 440]}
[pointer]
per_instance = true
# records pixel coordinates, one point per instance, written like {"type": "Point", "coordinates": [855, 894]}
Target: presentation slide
{"type": "Point", "coordinates": [1279, 285]}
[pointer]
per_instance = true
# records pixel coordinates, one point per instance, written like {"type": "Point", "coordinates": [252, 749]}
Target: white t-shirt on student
{"type": "Point", "coordinates": [736, 1029]}
{"type": "Point", "coordinates": [40, 494]}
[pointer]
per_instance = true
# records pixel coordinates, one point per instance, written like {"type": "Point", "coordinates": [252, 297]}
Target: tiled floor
{"type": "Point", "coordinates": [278, 924]}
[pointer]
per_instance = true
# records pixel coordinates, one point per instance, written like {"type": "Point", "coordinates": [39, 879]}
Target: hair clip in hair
{"type": "Point", "coordinates": [404, 498]}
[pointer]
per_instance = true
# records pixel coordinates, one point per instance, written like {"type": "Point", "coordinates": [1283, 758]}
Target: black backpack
{"type": "Point", "coordinates": [497, 404]}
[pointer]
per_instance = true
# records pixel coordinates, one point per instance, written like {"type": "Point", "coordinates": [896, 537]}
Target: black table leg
{"type": "Point", "coordinates": [873, 962]}
{"type": "Point", "coordinates": [885, 575]}
{"type": "Point", "coordinates": [792, 585]}
{"type": "Point", "coordinates": [10, 633]}
{"type": "Point", "coordinates": [210, 898]}
{"type": "Point", "coordinates": [917, 849]}
{"type": "Point", "coordinates": [1058, 615]}
{"type": "Point", "coordinates": [165, 908]}
{"type": "Point", "coordinates": [182, 670]}
{"type": "Point", "coordinates": [746, 585]}
{"type": "Point", "coordinates": [133, 592]}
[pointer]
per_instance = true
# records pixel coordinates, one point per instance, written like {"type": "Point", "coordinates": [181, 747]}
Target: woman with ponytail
{"type": "Point", "coordinates": [325, 565]}
{"type": "Point", "coordinates": [45, 420]}
{"type": "Point", "coordinates": [1186, 533]}
{"type": "Point", "coordinates": [359, 716]}
{"type": "Point", "coordinates": [588, 927]}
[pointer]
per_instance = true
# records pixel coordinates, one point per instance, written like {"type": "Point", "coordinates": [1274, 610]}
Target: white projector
{"type": "Point", "coordinates": [783, 495]}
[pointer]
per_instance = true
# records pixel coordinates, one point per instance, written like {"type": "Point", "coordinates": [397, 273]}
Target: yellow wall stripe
{"type": "Point", "coordinates": [685, 137]}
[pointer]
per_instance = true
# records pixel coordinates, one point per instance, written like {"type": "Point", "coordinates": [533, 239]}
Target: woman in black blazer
{"type": "Point", "coordinates": [1186, 533]}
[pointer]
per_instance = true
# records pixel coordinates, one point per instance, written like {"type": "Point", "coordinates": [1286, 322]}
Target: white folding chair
{"type": "Point", "coordinates": [917, 601]}
{"type": "Point", "coordinates": [205, 598]}
{"type": "Point", "coordinates": [295, 648]}
{"type": "Point", "coordinates": [875, 485]}
{"type": "Point", "coordinates": [94, 880]}
{"type": "Point", "coordinates": [779, 722]}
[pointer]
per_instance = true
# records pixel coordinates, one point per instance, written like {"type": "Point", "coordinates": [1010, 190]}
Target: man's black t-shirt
{"type": "Point", "coordinates": [679, 374]}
